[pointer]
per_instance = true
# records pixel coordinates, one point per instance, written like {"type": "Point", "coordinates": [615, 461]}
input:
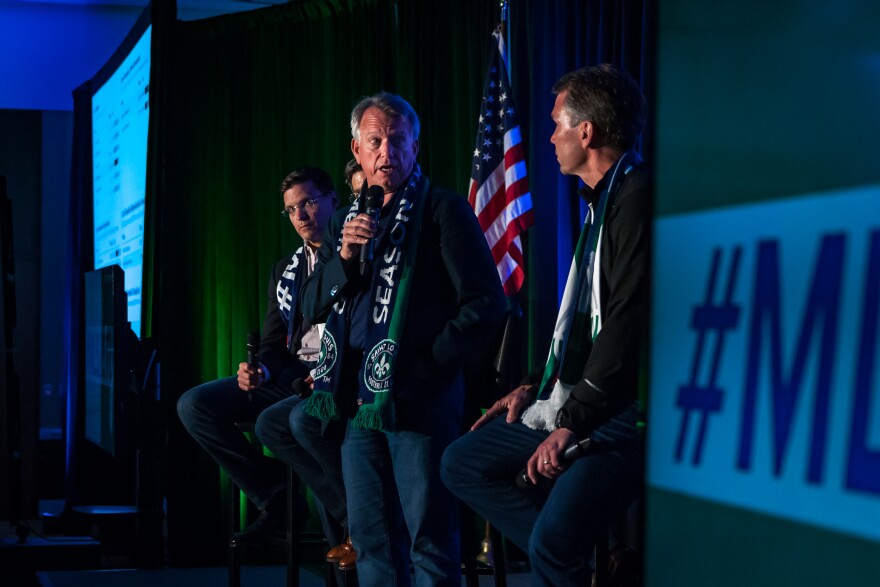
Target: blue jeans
{"type": "Point", "coordinates": [209, 413]}
{"type": "Point", "coordinates": [559, 523]}
{"type": "Point", "coordinates": [313, 452]}
{"type": "Point", "coordinates": [398, 508]}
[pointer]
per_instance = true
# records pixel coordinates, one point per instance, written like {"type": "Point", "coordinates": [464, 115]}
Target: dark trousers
{"type": "Point", "coordinates": [399, 509]}
{"type": "Point", "coordinates": [312, 450]}
{"type": "Point", "coordinates": [560, 521]}
{"type": "Point", "coordinates": [209, 413]}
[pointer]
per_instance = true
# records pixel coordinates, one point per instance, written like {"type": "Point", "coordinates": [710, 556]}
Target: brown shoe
{"type": "Point", "coordinates": [338, 552]}
{"type": "Point", "coordinates": [347, 562]}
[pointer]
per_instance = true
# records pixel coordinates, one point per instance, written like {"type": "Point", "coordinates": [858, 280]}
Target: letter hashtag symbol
{"type": "Point", "coordinates": [706, 318]}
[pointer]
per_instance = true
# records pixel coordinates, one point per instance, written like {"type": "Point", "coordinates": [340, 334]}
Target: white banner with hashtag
{"type": "Point", "coordinates": [765, 370]}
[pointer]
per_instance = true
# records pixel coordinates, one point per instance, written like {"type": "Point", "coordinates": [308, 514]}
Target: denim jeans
{"type": "Point", "coordinates": [209, 413]}
{"type": "Point", "coordinates": [559, 523]}
{"type": "Point", "coordinates": [301, 441]}
{"type": "Point", "coordinates": [398, 508]}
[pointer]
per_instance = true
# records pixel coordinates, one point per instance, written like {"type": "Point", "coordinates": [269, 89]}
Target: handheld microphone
{"type": "Point", "coordinates": [572, 453]}
{"type": "Point", "coordinates": [361, 197]}
{"type": "Point", "coordinates": [302, 387]}
{"type": "Point", "coordinates": [576, 450]}
{"type": "Point", "coordinates": [253, 348]}
{"type": "Point", "coordinates": [372, 207]}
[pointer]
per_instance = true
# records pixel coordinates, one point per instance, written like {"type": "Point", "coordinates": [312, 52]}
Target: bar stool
{"type": "Point", "coordinates": [291, 542]}
{"type": "Point", "coordinates": [472, 568]}
{"type": "Point", "coordinates": [602, 558]}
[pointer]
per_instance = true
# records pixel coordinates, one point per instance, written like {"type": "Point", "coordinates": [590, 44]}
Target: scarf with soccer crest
{"type": "Point", "coordinates": [388, 297]}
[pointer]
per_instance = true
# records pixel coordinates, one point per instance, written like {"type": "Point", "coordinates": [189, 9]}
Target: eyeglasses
{"type": "Point", "coordinates": [308, 206]}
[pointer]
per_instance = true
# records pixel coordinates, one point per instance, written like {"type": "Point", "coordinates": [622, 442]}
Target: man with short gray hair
{"type": "Point", "coordinates": [400, 327]}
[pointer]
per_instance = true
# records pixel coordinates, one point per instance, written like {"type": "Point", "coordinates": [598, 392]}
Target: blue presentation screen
{"type": "Point", "coordinates": [120, 117]}
{"type": "Point", "coordinates": [764, 398]}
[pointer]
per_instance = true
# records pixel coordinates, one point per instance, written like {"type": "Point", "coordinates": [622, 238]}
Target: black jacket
{"type": "Point", "coordinates": [456, 303]}
{"type": "Point", "coordinates": [613, 369]}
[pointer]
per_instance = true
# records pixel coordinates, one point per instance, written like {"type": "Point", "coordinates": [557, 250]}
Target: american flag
{"type": "Point", "coordinates": [499, 186]}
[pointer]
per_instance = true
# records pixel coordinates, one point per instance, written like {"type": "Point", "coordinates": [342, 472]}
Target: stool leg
{"type": "Point", "coordinates": [292, 533]}
{"type": "Point", "coordinates": [602, 558]}
{"type": "Point", "coordinates": [498, 555]}
{"type": "Point", "coordinates": [234, 553]}
{"type": "Point", "coordinates": [471, 579]}
{"type": "Point", "coordinates": [330, 575]}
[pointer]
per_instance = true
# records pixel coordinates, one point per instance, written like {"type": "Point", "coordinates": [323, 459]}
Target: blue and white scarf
{"type": "Point", "coordinates": [287, 289]}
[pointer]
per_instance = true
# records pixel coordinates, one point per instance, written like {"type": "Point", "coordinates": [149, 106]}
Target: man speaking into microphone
{"type": "Point", "coordinates": [280, 358]}
{"type": "Point", "coordinates": [374, 199]}
{"type": "Point", "coordinates": [400, 326]}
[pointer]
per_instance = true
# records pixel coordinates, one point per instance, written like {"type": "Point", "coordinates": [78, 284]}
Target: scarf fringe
{"type": "Point", "coordinates": [373, 417]}
{"type": "Point", "coordinates": [541, 415]}
{"type": "Point", "coordinates": [321, 404]}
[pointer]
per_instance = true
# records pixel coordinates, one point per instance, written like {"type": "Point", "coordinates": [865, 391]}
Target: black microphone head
{"type": "Point", "coordinates": [253, 340]}
{"type": "Point", "coordinates": [374, 197]}
{"type": "Point", "coordinates": [522, 481]}
{"type": "Point", "coordinates": [300, 388]}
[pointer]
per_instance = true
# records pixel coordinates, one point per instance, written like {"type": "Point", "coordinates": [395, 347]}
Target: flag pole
{"type": "Point", "coordinates": [504, 29]}
{"type": "Point", "coordinates": [498, 190]}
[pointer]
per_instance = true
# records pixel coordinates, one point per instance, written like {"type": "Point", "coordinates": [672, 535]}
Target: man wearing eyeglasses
{"type": "Point", "coordinates": [267, 392]}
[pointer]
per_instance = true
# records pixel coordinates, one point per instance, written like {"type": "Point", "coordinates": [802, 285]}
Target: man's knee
{"type": "Point", "coordinates": [186, 406]}
{"type": "Point", "coordinates": [303, 424]}
{"type": "Point", "coordinates": [265, 428]}
{"type": "Point", "coordinates": [453, 464]}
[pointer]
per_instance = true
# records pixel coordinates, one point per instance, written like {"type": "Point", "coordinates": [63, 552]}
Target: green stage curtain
{"type": "Point", "coordinates": [237, 102]}
{"type": "Point", "coordinates": [240, 100]}
{"type": "Point", "coordinates": [250, 97]}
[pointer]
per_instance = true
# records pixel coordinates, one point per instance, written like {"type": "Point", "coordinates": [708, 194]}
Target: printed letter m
{"type": "Point", "coordinates": [819, 318]}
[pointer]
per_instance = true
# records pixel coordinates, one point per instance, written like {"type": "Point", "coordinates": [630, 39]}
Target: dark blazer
{"type": "Point", "coordinates": [456, 303]}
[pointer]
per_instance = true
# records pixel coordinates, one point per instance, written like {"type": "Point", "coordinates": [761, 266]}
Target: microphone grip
{"type": "Point", "coordinates": [366, 255]}
{"type": "Point", "coordinates": [372, 207]}
{"type": "Point", "coordinates": [572, 453]}
{"type": "Point", "coordinates": [253, 349]}
{"type": "Point", "coordinates": [576, 450]}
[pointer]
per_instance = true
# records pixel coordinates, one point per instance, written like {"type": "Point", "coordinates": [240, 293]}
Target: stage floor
{"type": "Point", "coordinates": [251, 576]}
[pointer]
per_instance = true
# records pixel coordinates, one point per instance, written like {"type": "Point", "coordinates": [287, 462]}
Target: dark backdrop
{"type": "Point", "coordinates": [240, 100]}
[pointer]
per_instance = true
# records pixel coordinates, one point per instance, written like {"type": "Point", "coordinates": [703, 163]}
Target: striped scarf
{"type": "Point", "coordinates": [287, 289]}
{"type": "Point", "coordinates": [388, 296]}
{"type": "Point", "coordinates": [574, 333]}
